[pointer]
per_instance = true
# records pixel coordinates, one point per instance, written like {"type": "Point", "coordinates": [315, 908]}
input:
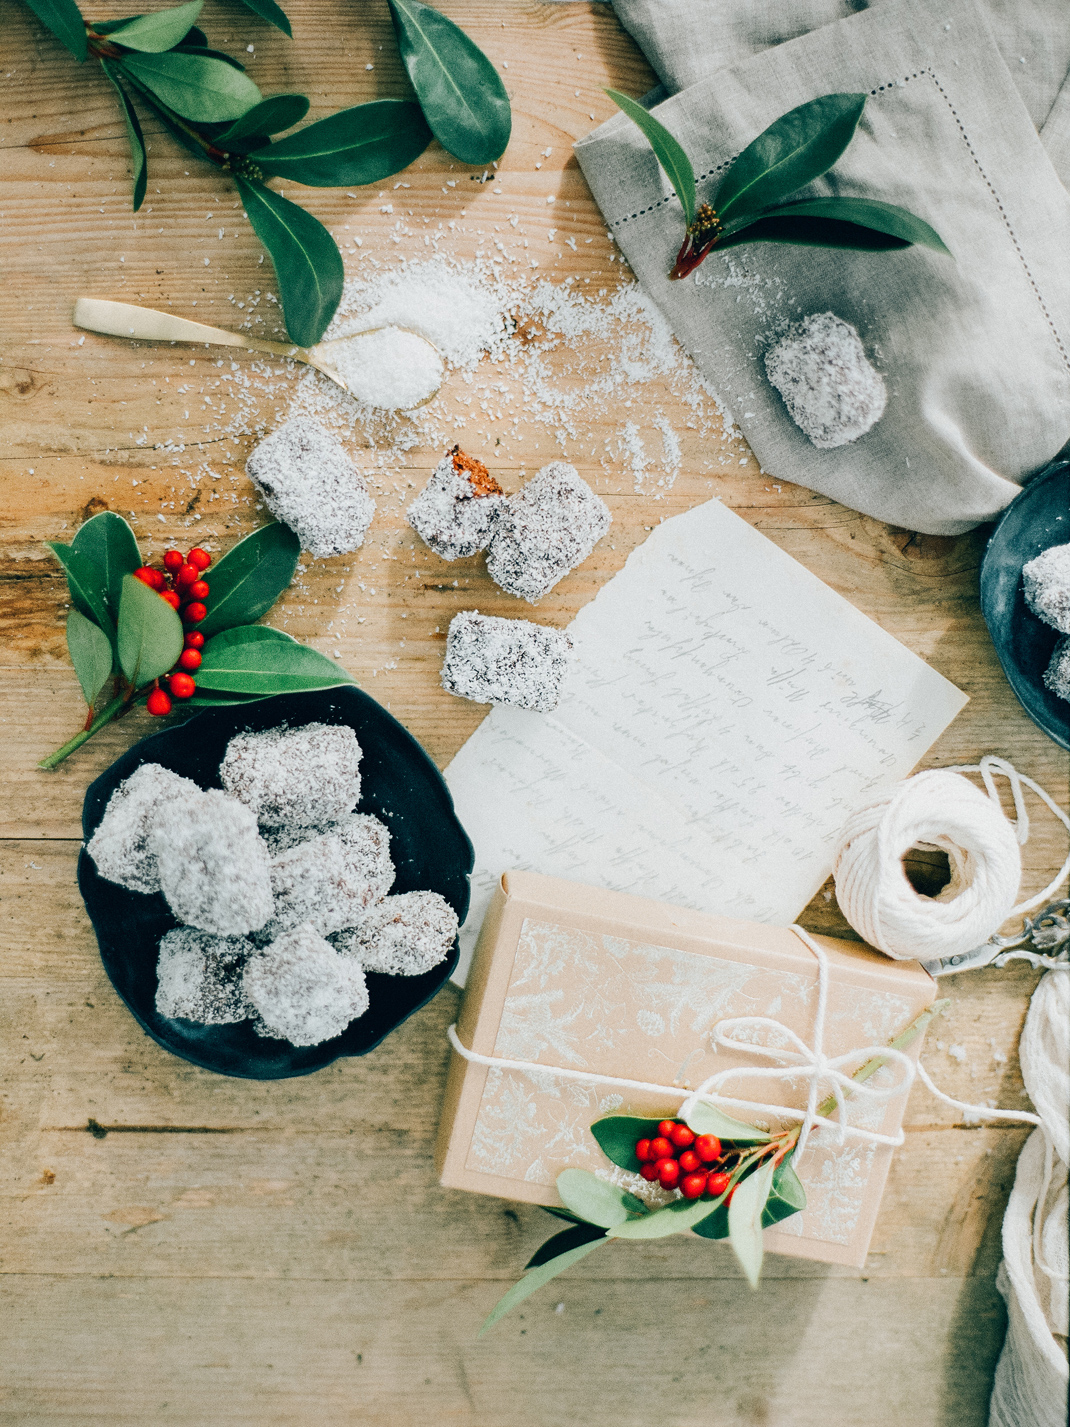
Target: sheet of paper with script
{"type": "Point", "coordinates": [725, 713]}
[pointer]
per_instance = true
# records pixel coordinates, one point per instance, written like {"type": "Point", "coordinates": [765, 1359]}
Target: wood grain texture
{"type": "Point", "coordinates": [183, 1247]}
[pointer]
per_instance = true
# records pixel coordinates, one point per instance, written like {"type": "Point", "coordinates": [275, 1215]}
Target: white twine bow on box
{"type": "Point", "coordinates": [798, 1061]}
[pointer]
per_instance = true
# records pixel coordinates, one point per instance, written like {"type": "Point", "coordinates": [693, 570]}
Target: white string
{"type": "Point", "coordinates": [940, 809]}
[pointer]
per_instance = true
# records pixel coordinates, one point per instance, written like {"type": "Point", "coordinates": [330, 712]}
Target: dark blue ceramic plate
{"type": "Point", "coordinates": [400, 785]}
{"type": "Point", "coordinates": [1032, 523]}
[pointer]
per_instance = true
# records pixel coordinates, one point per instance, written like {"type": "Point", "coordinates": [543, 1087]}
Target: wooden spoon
{"type": "Point", "coordinates": [121, 319]}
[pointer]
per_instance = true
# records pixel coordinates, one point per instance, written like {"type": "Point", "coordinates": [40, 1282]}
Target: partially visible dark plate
{"type": "Point", "coordinates": [1031, 524]}
{"type": "Point", "coordinates": [400, 785]}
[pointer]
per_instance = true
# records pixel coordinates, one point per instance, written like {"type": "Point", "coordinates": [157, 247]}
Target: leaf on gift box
{"type": "Point", "coordinates": [794, 150]}
{"type": "Point", "coordinates": [786, 1197]}
{"type": "Point", "coordinates": [244, 661]}
{"type": "Point", "coordinates": [534, 1279]}
{"type": "Point", "coordinates": [195, 85]}
{"type": "Point", "coordinates": [667, 150]}
{"type": "Point", "coordinates": [274, 14]}
{"type": "Point", "coordinates": [149, 635]}
{"type": "Point", "coordinates": [250, 577]}
{"type": "Point", "coordinates": [460, 91]}
{"type": "Point", "coordinates": [886, 224]}
{"type": "Point", "coordinates": [364, 144]}
{"type": "Point", "coordinates": [617, 1134]}
{"type": "Point", "coordinates": [108, 541]}
{"type": "Point", "coordinates": [138, 162]}
{"type": "Point", "coordinates": [595, 1201]}
{"type": "Point", "coordinates": [86, 584]}
{"type": "Point", "coordinates": [564, 1243]}
{"type": "Point", "coordinates": [674, 1218]}
{"type": "Point", "coordinates": [270, 116]}
{"type": "Point", "coordinates": [64, 19]}
{"type": "Point", "coordinates": [707, 1119]}
{"type": "Point", "coordinates": [91, 654]}
{"type": "Point", "coordinates": [307, 262]}
{"type": "Point", "coordinates": [745, 1221]}
{"type": "Point", "coordinates": [162, 30]}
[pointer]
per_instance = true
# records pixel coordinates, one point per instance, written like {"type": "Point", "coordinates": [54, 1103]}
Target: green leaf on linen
{"type": "Point", "coordinates": [667, 150]}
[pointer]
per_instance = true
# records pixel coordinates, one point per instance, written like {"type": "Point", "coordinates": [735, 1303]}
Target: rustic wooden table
{"type": "Point", "coordinates": [181, 1247]}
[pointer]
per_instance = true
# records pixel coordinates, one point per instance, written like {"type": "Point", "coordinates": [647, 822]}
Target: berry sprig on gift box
{"type": "Point", "coordinates": [137, 627]}
{"type": "Point", "coordinates": [677, 1158]}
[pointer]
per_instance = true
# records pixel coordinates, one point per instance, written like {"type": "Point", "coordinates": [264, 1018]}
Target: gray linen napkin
{"type": "Point", "coordinates": [975, 352]}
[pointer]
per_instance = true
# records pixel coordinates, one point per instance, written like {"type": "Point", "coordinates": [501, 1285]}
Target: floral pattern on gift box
{"type": "Point", "coordinates": [588, 1000]}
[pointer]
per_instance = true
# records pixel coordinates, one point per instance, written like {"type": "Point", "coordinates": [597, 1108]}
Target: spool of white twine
{"type": "Point", "coordinates": [942, 810]}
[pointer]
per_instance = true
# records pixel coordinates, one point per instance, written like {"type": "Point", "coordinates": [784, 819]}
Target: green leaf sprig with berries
{"type": "Point", "coordinates": [207, 102]}
{"type": "Point", "coordinates": [731, 1179]}
{"type": "Point", "coordinates": [181, 633]}
{"type": "Point", "coordinates": [750, 203]}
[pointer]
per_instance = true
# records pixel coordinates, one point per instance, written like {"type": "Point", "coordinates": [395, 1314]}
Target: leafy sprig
{"type": "Point", "coordinates": [122, 632]}
{"type": "Point", "coordinates": [205, 99]}
{"type": "Point", "coordinates": [750, 202]}
{"type": "Point", "coordinates": [762, 1188]}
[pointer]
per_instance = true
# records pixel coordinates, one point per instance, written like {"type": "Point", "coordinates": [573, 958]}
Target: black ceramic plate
{"type": "Point", "coordinates": [400, 785]}
{"type": "Point", "coordinates": [1032, 523]}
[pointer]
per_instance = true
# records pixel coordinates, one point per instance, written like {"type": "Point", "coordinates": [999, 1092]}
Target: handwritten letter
{"type": "Point", "coordinates": [726, 711]}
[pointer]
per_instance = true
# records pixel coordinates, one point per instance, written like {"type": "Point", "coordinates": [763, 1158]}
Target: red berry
{"type": "Point", "coordinates": [173, 560]}
{"type": "Point", "coordinates": [199, 590]}
{"type": "Point", "coordinates": [642, 1150]}
{"type": "Point", "coordinates": [716, 1184]}
{"type": "Point", "coordinates": [690, 1162]}
{"type": "Point", "coordinates": [668, 1173]}
{"type": "Point", "coordinates": [661, 1148]}
{"type": "Point", "coordinates": [187, 574]}
{"type": "Point", "coordinates": [171, 598]}
{"type": "Point", "coordinates": [682, 1137]}
{"type": "Point", "coordinates": [193, 639]}
{"type": "Point", "coordinates": [182, 686]}
{"type": "Point", "coordinates": [190, 659]}
{"type": "Point", "coordinates": [194, 612]}
{"type": "Point", "coordinates": [649, 1171]}
{"type": "Point", "coordinates": [692, 1185]}
{"type": "Point", "coordinates": [666, 1128]}
{"type": "Point", "coordinates": [158, 703]}
{"type": "Point", "coordinates": [150, 577]}
{"type": "Point", "coordinates": [708, 1148]}
{"type": "Point", "coordinates": [199, 557]}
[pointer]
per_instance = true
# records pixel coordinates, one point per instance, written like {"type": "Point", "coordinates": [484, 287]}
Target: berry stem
{"type": "Point", "coordinates": [107, 713]}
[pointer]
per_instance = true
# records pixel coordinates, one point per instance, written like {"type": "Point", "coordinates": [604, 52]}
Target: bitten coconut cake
{"type": "Point", "coordinates": [456, 512]}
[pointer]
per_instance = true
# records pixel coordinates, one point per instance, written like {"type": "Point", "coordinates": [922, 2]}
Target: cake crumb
{"type": "Point", "coordinates": [455, 513]}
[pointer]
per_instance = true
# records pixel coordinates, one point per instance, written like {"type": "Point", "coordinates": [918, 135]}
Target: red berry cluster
{"type": "Point", "coordinates": [182, 584]}
{"type": "Point", "coordinates": [679, 1159]}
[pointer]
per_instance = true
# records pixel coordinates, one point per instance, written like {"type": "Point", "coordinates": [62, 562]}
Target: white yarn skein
{"type": "Point", "coordinates": [937, 809]}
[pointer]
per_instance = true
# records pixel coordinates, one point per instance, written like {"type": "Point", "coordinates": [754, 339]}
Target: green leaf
{"type": "Point", "coordinates": [270, 116]}
{"type": "Point", "coordinates": [534, 1279]}
{"type": "Point", "coordinates": [150, 633]}
{"type": "Point", "coordinates": [134, 136]}
{"type": "Point", "coordinates": [674, 1218]}
{"type": "Point", "coordinates": [86, 583]}
{"type": "Point", "coordinates": [595, 1201]}
{"type": "Point", "coordinates": [197, 85]}
{"type": "Point", "coordinates": [259, 665]}
{"type": "Point", "coordinates": [887, 218]}
{"type": "Point", "coordinates": [64, 19]}
{"type": "Point", "coordinates": [667, 150]}
{"type": "Point", "coordinates": [307, 262]}
{"type": "Point", "coordinates": [90, 651]}
{"type": "Point", "coordinates": [812, 233]}
{"type": "Point", "coordinates": [361, 145]}
{"type": "Point", "coordinates": [617, 1134]}
{"type": "Point", "coordinates": [206, 699]}
{"type": "Point", "coordinates": [198, 49]}
{"type": "Point", "coordinates": [786, 1197]}
{"type": "Point", "coordinates": [797, 148]}
{"type": "Point", "coordinates": [745, 1221]}
{"type": "Point", "coordinates": [274, 14]}
{"type": "Point", "coordinates": [250, 577]}
{"type": "Point", "coordinates": [562, 1243]}
{"type": "Point", "coordinates": [108, 541]}
{"type": "Point", "coordinates": [459, 90]}
{"type": "Point", "coordinates": [159, 31]}
{"type": "Point", "coordinates": [707, 1119]}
